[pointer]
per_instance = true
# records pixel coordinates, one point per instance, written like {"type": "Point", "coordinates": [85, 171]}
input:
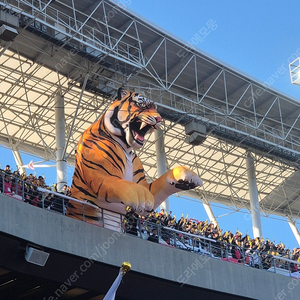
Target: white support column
{"type": "Point", "coordinates": [294, 229]}
{"type": "Point", "coordinates": [209, 213]}
{"type": "Point", "coordinates": [61, 164]}
{"type": "Point", "coordinates": [18, 159]}
{"type": "Point", "coordinates": [253, 193]}
{"type": "Point", "coordinates": [161, 162]}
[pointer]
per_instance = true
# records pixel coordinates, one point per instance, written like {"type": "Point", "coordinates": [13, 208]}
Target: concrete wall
{"type": "Point", "coordinates": [61, 233]}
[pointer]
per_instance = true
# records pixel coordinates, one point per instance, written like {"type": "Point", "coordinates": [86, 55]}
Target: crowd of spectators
{"type": "Point", "coordinates": [257, 252]}
{"type": "Point", "coordinates": [239, 246]}
{"type": "Point", "coordinates": [25, 187]}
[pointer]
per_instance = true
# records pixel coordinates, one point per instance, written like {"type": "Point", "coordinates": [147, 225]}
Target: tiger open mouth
{"type": "Point", "coordinates": [138, 129]}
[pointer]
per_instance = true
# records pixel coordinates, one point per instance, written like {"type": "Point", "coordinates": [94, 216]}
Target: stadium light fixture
{"type": "Point", "coordinates": [7, 33]}
{"type": "Point", "coordinates": [295, 71]}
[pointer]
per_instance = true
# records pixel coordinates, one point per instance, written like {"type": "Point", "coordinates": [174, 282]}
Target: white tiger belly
{"type": "Point", "coordinates": [128, 172]}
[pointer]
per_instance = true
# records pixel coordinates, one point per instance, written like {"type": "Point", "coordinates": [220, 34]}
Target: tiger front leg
{"type": "Point", "coordinates": [173, 181]}
{"type": "Point", "coordinates": [127, 193]}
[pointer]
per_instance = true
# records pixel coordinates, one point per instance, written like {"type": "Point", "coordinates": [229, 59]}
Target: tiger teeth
{"type": "Point", "coordinates": [143, 124]}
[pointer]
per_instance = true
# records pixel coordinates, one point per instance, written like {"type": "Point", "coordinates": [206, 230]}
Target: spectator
{"type": "Point", "coordinates": [7, 184]}
{"type": "Point", "coordinates": [1, 181]}
{"type": "Point", "coordinates": [48, 201]}
{"type": "Point", "coordinates": [153, 237]}
{"type": "Point", "coordinates": [266, 261]}
{"type": "Point", "coordinates": [218, 247]}
{"type": "Point", "coordinates": [131, 222]}
{"type": "Point", "coordinates": [58, 204]}
{"type": "Point", "coordinates": [235, 252]}
{"type": "Point", "coordinates": [41, 182]}
{"type": "Point", "coordinates": [7, 169]}
{"type": "Point", "coordinates": [65, 190]}
{"type": "Point", "coordinates": [29, 193]}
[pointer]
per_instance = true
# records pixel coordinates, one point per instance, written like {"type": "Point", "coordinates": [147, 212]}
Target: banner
{"type": "Point", "coordinates": [113, 289]}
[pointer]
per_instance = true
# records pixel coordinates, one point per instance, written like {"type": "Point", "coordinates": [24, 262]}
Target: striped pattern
{"type": "Point", "coordinates": [107, 171]}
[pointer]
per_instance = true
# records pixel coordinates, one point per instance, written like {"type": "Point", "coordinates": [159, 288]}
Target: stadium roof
{"type": "Point", "coordinates": [86, 50]}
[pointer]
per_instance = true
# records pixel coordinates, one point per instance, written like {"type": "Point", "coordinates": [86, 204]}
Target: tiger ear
{"type": "Point", "coordinates": [121, 93]}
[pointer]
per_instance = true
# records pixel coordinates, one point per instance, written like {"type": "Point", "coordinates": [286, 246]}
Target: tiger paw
{"type": "Point", "coordinates": [140, 199]}
{"type": "Point", "coordinates": [185, 179]}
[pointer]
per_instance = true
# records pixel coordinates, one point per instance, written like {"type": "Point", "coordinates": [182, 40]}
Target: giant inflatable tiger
{"type": "Point", "coordinates": [109, 174]}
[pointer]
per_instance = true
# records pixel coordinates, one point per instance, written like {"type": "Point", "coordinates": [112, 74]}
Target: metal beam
{"type": "Point", "coordinates": [209, 213]}
{"type": "Point", "coordinates": [294, 229]}
{"type": "Point", "coordinates": [61, 164]}
{"type": "Point", "coordinates": [254, 203]}
{"type": "Point", "coordinates": [18, 159]}
{"type": "Point", "coordinates": [161, 162]}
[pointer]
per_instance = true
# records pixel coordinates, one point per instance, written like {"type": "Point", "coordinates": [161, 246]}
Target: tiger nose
{"type": "Point", "coordinates": [158, 119]}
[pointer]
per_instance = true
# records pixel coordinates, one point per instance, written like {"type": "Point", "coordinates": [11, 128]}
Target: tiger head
{"type": "Point", "coordinates": [130, 117]}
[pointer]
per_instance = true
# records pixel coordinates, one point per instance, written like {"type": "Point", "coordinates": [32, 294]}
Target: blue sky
{"type": "Point", "coordinates": [255, 37]}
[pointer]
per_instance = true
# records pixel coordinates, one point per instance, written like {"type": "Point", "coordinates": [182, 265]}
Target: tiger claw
{"type": "Point", "coordinates": [185, 179]}
{"type": "Point", "coordinates": [184, 186]}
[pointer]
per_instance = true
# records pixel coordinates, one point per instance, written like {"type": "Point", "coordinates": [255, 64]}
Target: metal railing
{"type": "Point", "coordinates": [64, 27]}
{"type": "Point", "coordinates": [285, 266]}
{"type": "Point", "coordinates": [53, 201]}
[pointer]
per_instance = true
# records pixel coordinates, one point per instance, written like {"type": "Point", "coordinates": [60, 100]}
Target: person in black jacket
{"type": "Point", "coordinates": [58, 204]}
{"type": "Point", "coordinates": [153, 237]}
